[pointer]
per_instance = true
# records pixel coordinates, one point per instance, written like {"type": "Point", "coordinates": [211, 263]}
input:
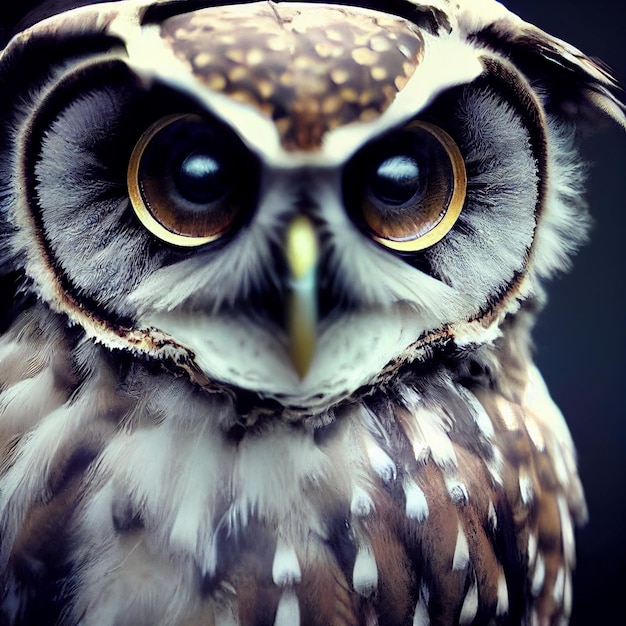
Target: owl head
{"type": "Point", "coordinates": [293, 200]}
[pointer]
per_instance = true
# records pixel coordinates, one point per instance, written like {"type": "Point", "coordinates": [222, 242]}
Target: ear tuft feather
{"type": "Point", "coordinates": [580, 88]}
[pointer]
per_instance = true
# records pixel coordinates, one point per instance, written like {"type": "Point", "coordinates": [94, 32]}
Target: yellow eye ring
{"type": "Point", "coordinates": [442, 212]}
{"type": "Point", "coordinates": [183, 180]}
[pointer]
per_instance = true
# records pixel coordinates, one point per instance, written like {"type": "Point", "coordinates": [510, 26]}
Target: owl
{"type": "Point", "coordinates": [270, 272]}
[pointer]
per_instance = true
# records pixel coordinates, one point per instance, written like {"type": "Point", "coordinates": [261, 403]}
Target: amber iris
{"type": "Point", "coordinates": [413, 190]}
{"type": "Point", "coordinates": [182, 180]}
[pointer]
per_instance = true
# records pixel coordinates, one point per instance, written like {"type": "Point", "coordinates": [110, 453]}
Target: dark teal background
{"type": "Point", "coordinates": [580, 338]}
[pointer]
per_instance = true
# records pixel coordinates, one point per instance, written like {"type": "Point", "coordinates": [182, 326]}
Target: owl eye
{"type": "Point", "coordinates": [413, 188]}
{"type": "Point", "coordinates": [182, 180]}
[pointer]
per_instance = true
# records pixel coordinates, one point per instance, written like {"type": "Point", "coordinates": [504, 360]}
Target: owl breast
{"type": "Point", "coordinates": [437, 500]}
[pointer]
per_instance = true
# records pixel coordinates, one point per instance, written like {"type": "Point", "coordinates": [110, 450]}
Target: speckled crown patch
{"type": "Point", "coordinates": [309, 68]}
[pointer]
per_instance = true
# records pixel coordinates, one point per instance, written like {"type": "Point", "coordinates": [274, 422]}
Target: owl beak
{"type": "Point", "coordinates": [301, 252]}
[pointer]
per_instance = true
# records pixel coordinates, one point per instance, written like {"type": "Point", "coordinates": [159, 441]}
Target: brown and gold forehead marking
{"type": "Point", "coordinates": [309, 68]}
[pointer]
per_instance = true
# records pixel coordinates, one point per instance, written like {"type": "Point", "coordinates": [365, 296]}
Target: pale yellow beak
{"type": "Point", "coordinates": [301, 251]}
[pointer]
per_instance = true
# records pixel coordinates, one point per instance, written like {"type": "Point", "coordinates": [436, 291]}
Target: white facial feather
{"type": "Point", "coordinates": [564, 223]}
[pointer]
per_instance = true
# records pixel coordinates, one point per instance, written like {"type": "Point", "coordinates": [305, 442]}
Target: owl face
{"type": "Point", "coordinates": [291, 199]}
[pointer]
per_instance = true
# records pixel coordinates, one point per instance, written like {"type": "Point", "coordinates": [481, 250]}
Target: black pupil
{"type": "Point", "coordinates": [399, 179]}
{"type": "Point", "coordinates": [202, 178]}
